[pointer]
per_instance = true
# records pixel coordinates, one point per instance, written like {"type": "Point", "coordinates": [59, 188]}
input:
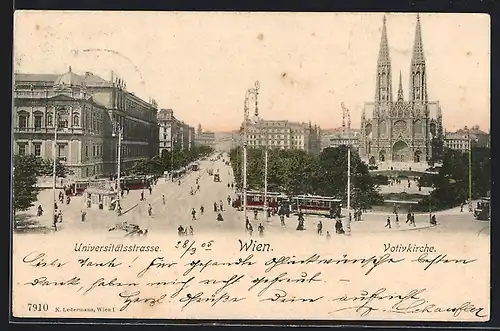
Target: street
{"type": "Point", "coordinates": [176, 211]}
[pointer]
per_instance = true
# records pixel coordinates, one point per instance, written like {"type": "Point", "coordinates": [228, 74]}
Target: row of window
{"type": "Point", "coordinates": [23, 149]}
{"type": "Point", "coordinates": [276, 131]}
{"type": "Point", "coordinates": [93, 122]}
{"type": "Point", "coordinates": [274, 142]}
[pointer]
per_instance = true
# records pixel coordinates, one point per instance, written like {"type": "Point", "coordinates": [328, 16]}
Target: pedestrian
{"type": "Point", "coordinates": [39, 210]}
{"type": "Point", "coordinates": [180, 230]}
{"type": "Point", "coordinates": [255, 213]}
{"type": "Point", "coordinates": [215, 207]}
{"type": "Point", "coordinates": [84, 214]}
{"type": "Point", "coordinates": [328, 235]}
{"type": "Point", "coordinates": [55, 217]}
{"type": "Point", "coordinates": [68, 199]}
{"type": "Point", "coordinates": [163, 198]}
{"type": "Point", "coordinates": [388, 224]}
{"type": "Point", "coordinates": [408, 217]}
{"type": "Point", "coordinates": [462, 207]}
{"type": "Point", "coordinates": [150, 210]}
{"type": "Point", "coordinates": [142, 196]}
{"type": "Point", "coordinates": [191, 230]}
{"type": "Point", "coordinates": [193, 214]}
{"type": "Point", "coordinates": [150, 190]}
{"type": "Point", "coordinates": [60, 216]}
{"type": "Point", "coordinates": [320, 228]}
{"type": "Point", "coordinates": [397, 221]}
{"type": "Point", "coordinates": [261, 230]}
{"type": "Point", "coordinates": [413, 220]}
{"type": "Point", "coordinates": [128, 190]}
{"type": "Point", "coordinates": [202, 210]}
{"type": "Point", "coordinates": [282, 219]}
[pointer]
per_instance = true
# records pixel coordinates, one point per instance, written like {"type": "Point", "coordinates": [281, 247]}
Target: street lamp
{"type": "Point", "coordinates": [60, 110]}
{"type": "Point", "coordinates": [118, 131]}
{"type": "Point", "coordinates": [470, 171]}
{"type": "Point", "coordinates": [255, 92]}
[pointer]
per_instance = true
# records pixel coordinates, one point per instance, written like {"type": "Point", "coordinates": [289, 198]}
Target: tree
{"type": "Point", "coordinates": [46, 168]}
{"type": "Point", "coordinates": [26, 170]}
{"type": "Point", "coordinates": [451, 184]}
{"type": "Point", "coordinates": [297, 172]}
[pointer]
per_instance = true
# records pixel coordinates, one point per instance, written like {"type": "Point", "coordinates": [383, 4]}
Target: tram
{"type": "Point", "coordinates": [134, 182]}
{"type": "Point", "coordinates": [483, 209]}
{"type": "Point", "coordinates": [77, 187]}
{"type": "Point", "coordinates": [255, 200]}
{"type": "Point", "coordinates": [195, 166]}
{"type": "Point", "coordinates": [315, 205]}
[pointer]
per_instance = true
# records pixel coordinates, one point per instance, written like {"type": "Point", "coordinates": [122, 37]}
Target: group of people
{"type": "Point", "coordinates": [185, 231]}
{"type": "Point", "coordinates": [249, 228]}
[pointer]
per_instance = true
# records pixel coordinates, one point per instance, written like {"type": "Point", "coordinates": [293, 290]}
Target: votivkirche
{"type": "Point", "coordinates": [400, 130]}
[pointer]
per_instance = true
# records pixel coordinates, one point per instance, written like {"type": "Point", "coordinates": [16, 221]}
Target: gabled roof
{"type": "Point", "coordinates": [61, 97]}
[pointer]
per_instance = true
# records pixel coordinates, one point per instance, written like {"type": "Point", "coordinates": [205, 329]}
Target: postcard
{"type": "Point", "coordinates": [251, 166]}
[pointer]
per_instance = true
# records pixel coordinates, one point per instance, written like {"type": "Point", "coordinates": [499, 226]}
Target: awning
{"type": "Point", "coordinates": [100, 192]}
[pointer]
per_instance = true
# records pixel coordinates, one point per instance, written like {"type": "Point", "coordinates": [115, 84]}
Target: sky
{"type": "Point", "coordinates": [201, 64]}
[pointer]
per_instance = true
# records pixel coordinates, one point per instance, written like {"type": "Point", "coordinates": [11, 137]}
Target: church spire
{"type": "Point", "coordinates": [383, 53]}
{"type": "Point", "coordinates": [418, 51]}
{"type": "Point", "coordinates": [400, 89]}
{"type": "Point", "coordinates": [418, 74]}
{"type": "Point", "coordinates": [383, 92]}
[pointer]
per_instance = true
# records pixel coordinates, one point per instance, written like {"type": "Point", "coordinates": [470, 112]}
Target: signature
{"type": "Point", "coordinates": [134, 297]}
{"type": "Point", "coordinates": [409, 303]}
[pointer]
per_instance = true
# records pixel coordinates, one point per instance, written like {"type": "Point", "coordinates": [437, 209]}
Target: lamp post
{"type": "Point", "coordinates": [254, 91]}
{"type": "Point", "coordinates": [172, 156]}
{"type": "Point", "coordinates": [118, 131]}
{"type": "Point", "coordinates": [470, 172]}
{"type": "Point", "coordinates": [265, 183]}
{"type": "Point", "coordinates": [58, 111]}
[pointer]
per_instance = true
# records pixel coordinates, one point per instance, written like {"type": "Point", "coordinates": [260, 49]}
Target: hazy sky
{"type": "Point", "coordinates": [201, 64]}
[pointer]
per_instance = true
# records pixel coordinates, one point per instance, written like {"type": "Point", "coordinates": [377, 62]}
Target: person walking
{"type": "Point", "coordinates": [150, 210]}
{"type": "Point", "coordinates": [388, 223]}
{"type": "Point", "coordinates": [320, 228]}
{"type": "Point", "coordinates": [193, 214]}
{"type": "Point", "coordinates": [83, 215]}
{"type": "Point", "coordinates": [163, 198]}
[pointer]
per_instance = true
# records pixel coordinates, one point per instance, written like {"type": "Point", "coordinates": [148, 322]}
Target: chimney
{"type": "Point", "coordinates": [88, 73]}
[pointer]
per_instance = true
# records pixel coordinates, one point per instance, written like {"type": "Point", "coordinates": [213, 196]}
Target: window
{"type": "Point", "coordinates": [76, 120]}
{"type": "Point", "coordinates": [63, 122]}
{"type": "Point", "coordinates": [86, 151]}
{"type": "Point", "coordinates": [38, 122]}
{"type": "Point", "coordinates": [22, 149]}
{"type": "Point", "coordinates": [37, 149]}
{"type": "Point", "coordinates": [49, 120]}
{"type": "Point", "coordinates": [61, 152]}
{"type": "Point", "coordinates": [94, 151]}
{"type": "Point", "coordinates": [23, 121]}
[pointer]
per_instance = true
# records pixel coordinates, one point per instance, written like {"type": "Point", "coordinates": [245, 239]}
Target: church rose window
{"type": "Point", "coordinates": [400, 127]}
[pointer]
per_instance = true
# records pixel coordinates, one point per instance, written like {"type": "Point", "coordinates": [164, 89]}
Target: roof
{"type": "Point", "coordinates": [88, 78]}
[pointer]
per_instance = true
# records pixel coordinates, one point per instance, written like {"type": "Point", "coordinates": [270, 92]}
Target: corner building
{"type": "Point", "coordinates": [88, 110]}
{"type": "Point", "coordinates": [400, 131]}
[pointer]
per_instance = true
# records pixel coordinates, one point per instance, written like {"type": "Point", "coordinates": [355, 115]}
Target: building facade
{"type": "Point", "coordinates": [206, 138]}
{"type": "Point", "coordinates": [463, 139]}
{"type": "Point", "coordinates": [400, 131]}
{"type": "Point", "coordinates": [283, 135]}
{"type": "Point", "coordinates": [456, 141]}
{"type": "Point", "coordinates": [174, 133]}
{"type": "Point", "coordinates": [341, 138]}
{"type": "Point", "coordinates": [86, 110]}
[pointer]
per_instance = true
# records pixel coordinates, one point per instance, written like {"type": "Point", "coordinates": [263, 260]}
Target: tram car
{"type": "Point", "coordinates": [194, 166]}
{"type": "Point", "coordinates": [483, 209]}
{"type": "Point", "coordinates": [255, 200]}
{"type": "Point", "coordinates": [134, 182]}
{"type": "Point", "coordinates": [77, 187]}
{"type": "Point", "coordinates": [315, 205]}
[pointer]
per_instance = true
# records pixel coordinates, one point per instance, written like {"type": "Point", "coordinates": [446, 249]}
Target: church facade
{"type": "Point", "coordinates": [400, 130]}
